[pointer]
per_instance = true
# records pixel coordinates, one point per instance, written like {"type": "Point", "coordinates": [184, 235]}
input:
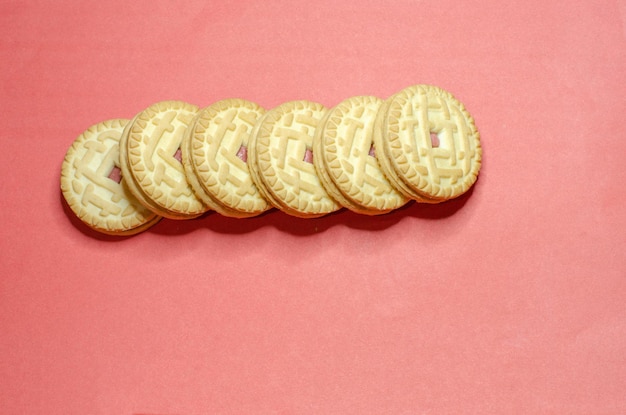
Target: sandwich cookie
{"type": "Point", "coordinates": [427, 144]}
{"type": "Point", "coordinates": [345, 158]}
{"type": "Point", "coordinates": [150, 157]}
{"type": "Point", "coordinates": [94, 187]}
{"type": "Point", "coordinates": [215, 154]}
{"type": "Point", "coordinates": [282, 156]}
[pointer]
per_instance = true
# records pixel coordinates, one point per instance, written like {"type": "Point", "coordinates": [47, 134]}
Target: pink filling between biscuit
{"type": "Point", "coordinates": [308, 155]}
{"type": "Point", "coordinates": [116, 174]}
{"type": "Point", "coordinates": [179, 155]}
{"type": "Point", "coordinates": [372, 151]}
{"type": "Point", "coordinates": [434, 140]}
{"type": "Point", "coordinates": [242, 153]}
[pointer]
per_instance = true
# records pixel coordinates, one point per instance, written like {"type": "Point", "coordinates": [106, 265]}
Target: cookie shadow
{"type": "Point", "coordinates": [283, 222]}
{"type": "Point", "coordinates": [305, 227]}
{"type": "Point", "coordinates": [272, 218]}
{"type": "Point", "coordinates": [439, 211]}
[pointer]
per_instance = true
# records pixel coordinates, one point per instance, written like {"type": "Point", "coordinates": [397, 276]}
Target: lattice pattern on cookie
{"type": "Point", "coordinates": [96, 196]}
{"type": "Point", "coordinates": [368, 155]}
{"type": "Point", "coordinates": [282, 144]}
{"type": "Point", "coordinates": [347, 148]}
{"type": "Point", "coordinates": [218, 146]}
{"type": "Point", "coordinates": [153, 141]}
{"type": "Point", "coordinates": [444, 166]}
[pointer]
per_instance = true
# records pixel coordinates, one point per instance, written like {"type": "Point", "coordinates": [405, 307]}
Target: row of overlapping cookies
{"type": "Point", "coordinates": [178, 161]}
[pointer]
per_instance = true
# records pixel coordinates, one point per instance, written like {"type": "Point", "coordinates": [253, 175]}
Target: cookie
{"type": "Point", "coordinates": [150, 157]}
{"type": "Point", "coordinates": [282, 159]}
{"type": "Point", "coordinates": [345, 158]}
{"type": "Point", "coordinates": [94, 188]}
{"type": "Point", "coordinates": [215, 154]}
{"type": "Point", "coordinates": [427, 144]}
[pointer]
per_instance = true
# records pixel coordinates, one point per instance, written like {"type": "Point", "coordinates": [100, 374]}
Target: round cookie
{"type": "Point", "coordinates": [94, 188]}
{"type": "Point", "coordinates": [150, 155]}
{"type": "Point", "coordinates": [346, 160]}
{"type": "Point", "coordinates": [215, 153]}
{"type": "Point", "coordinates": [283, 160]}
{"type": "Point", "coordinates": [427, 144]}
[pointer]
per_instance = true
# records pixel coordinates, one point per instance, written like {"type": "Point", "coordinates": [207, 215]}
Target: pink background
{"type": "Point", "coordinates": [508, 300]}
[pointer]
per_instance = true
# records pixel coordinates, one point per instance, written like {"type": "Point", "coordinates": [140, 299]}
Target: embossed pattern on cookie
{"type": "Point", "coordinates": [93, 186]}
{"type": "Point", "coordinates": [283, 151]}
{"type": "Point", "coordinates": [176, 161]}
{"type": "Point", "coordinates": [347, 157]}
{"type": "Point", "coordinates": [215, 153]}
{"type": "Point", "coordinates": [432, 142]}
{"type": "Point", "coordinates": [153, 158]}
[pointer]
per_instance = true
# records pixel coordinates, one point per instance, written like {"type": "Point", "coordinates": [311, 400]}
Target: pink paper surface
{"type": "Point", "coordinates": [509, 300]}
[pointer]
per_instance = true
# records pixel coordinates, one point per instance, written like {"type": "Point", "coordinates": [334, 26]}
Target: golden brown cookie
{"type": "Point", "coordinates": [283, 160]}
{"type": "Point", "coordinates": [215, 154]}
{"type": "Point", "coordinates": [150, 157]}
{"type": "Point", "coordinates": [94, 188]}
{"type": "Point", "coordinates": [427, 144]}
{"type": "Point", "coordinates": [346, 160]}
